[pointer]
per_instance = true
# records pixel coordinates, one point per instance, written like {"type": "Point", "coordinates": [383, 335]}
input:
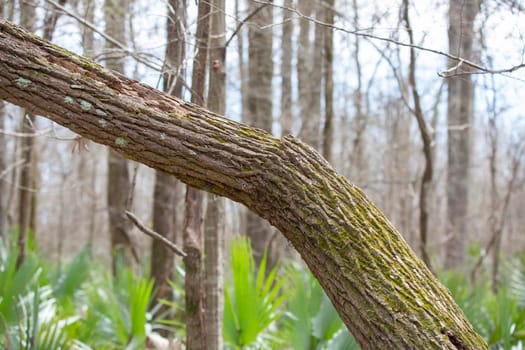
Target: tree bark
{"type": "Point", "coordinates": [214, 223]}
{"type": "Point", "coordinates": [384, 294]}
{"type": "Point", "coordinates": [460, 113]}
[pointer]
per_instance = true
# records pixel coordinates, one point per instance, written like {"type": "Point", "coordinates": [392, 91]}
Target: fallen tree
{"type": "Point", "coordinates": [384, 294]}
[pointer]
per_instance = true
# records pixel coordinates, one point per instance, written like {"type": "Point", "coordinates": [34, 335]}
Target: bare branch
{"type": "Point", "coordinates": [155, 235]}
{"type": "Point", "coordinates": [444, 74]}
{"type": "Point", "coordinates": [243, 22]}
{"type": "Point", "coordinates": [115, 42]}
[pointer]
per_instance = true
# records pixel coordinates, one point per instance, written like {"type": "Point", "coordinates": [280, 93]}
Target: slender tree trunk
{"type": "Point", "coordinates": [164, 197]}
{"type": "Point", "coordinates": [119, 182]}
{"type": "Point", "coordinates": [460, 114]}
{"type": "Point", "coordinates": [286, 71]}
{"type": "Point", "coordinates": [3, 172]}
{"type": "Point", "coordinates": [26, 194]}
{"type": "Point", "coordinates": [417, 111]}
{"type": "Point", "coordinates": [87, 170]}
{"type": "Point", "coordinates": [259, 111]}
{"type": "Point", "coordinates": [194, 215]}
{"type": "Point", "coordinates": [357, 157]}
{"type": "Point", "coordinates": [3, 164]}
{"type": "Point", "coordinates": [309, 72]}
{"type": "Point", "coordinates": [214, 225]}
{"type": "Point", "coordinates": [385, 295]}
{"type": "Point", "coordinates": [328, 130]}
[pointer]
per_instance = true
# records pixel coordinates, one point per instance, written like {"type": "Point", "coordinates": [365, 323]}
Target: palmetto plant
{"type": "Point", "coordinates": [311, 321]}
{"type": "Point", "coordinates": [251, 300]}
{"type": "Point", "coordinates": [29, 317]}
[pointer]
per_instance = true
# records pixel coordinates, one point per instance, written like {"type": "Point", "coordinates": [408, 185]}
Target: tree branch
{"type": "Point", "coordinates": [384, 294]}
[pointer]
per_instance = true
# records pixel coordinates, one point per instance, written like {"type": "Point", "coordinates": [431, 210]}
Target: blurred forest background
{"type": "Point", "coordinates": [418, 103]}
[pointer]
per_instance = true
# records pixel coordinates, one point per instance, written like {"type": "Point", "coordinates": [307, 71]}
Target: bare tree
{"type": "Point", "coordinates": [259, 103]}
{"type": "Point", "coordinates": [164, 196]}
{"type": "Point", "coordinates": [26, 196]}
{"type": "Point", "coordinates": [286, 71]}
{"type": "Point", "coordinates": [309, 73]}
{"type": "Point", "coordinates": [194, 215]}
{"type": "Point", "coordinates": [3, 164]}
{"type": "Point", "coordinates": [417, 111]}
{"type": "Point", "coordinates": [328, 130]}
{"type": "Point", "coordinates": [460, 114]}
{"type": "Point", "coordinates": [3, 173]}
{"type": "Point", "coordinates": [214, 224]}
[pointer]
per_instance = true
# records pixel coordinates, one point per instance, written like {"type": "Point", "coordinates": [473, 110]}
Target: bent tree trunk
{"type": "Point", "coordinates": [385, 295]}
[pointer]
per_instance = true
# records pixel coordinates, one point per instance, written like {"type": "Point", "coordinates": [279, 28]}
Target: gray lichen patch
{"type": "Point", "coordinates": [85, 106]}
{"type": "Point", "coordinates": [102, 122]}
{"type": "Point", "coordinates": [100, 112]}
{"type": "Point", "coordinates": [162, 136]}
{"type": "Point", "coordinates": [121, 141]}
{"type": "Point", "coordinates": [22, 83]}
{"type": "Point", "coordinates": [69, 100]}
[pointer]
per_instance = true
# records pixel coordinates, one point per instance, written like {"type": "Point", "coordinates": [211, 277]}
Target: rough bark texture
{"type": "Point", "coordinates": [259, 100]}
{"type": "Point", "coordinates": [194, 215]}
{"type": "Point", "coordinates": [214, 224]}
{"type": "Point", "coordinates": [119, 182]}
{"type": "Point", "coordinates": [460, 109]}
{"type": "Point", "coordinates": [385, 295]}
{"type": "Point", "coordinates": [164, 197]}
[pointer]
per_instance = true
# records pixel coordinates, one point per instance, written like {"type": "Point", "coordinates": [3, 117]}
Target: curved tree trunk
{"type": "Point", "coordinates": [385, 295]}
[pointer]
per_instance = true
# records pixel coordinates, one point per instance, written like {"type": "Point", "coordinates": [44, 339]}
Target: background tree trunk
{"type": "Point", "coordinates": [214, 223]}
{"type": "Point", "coordinates": [119, 182]}
{"type": "Point", "coordinates": [164, 196]}
{"type": "Point", "coordinates": [27, 195]}
{"type": "Point", "coordinates": [259, 102]}
{"type": "Point", "coordinates": [384, 294]}
{"type": "Point", "coordinates": [3, 164]}
{"type": "Point", "coordinates": [328, 129]}
{"type": "Point", "coordinates": [194, 215]}
{"type": "Point", "coordinates": [309, 72]}
{"type": "Point", "coordinates": [460, 114]}
{"type": "Point", "coordinates": [286, 70]}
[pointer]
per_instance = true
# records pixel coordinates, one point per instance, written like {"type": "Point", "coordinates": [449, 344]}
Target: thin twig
{"type": "Point", "coordinates": [445, 74]}
{"type": "Point", "coordinates": [155, 235]}
{"type": "Point", "coordinates": [11, 167]}
{"type": "Point", "coordinates": [241, 23]}
{"type": "Point", "coordinates": [26, 134]}
{"type": "Point", "coordinates": [105, 36]}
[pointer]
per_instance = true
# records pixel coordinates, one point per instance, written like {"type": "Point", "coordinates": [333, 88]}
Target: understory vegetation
{"type": "Point", "coordinates": [79, 305]}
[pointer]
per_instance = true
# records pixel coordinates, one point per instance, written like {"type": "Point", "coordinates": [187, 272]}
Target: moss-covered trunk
{"type": "Point", "coordinates": [383, 292]}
